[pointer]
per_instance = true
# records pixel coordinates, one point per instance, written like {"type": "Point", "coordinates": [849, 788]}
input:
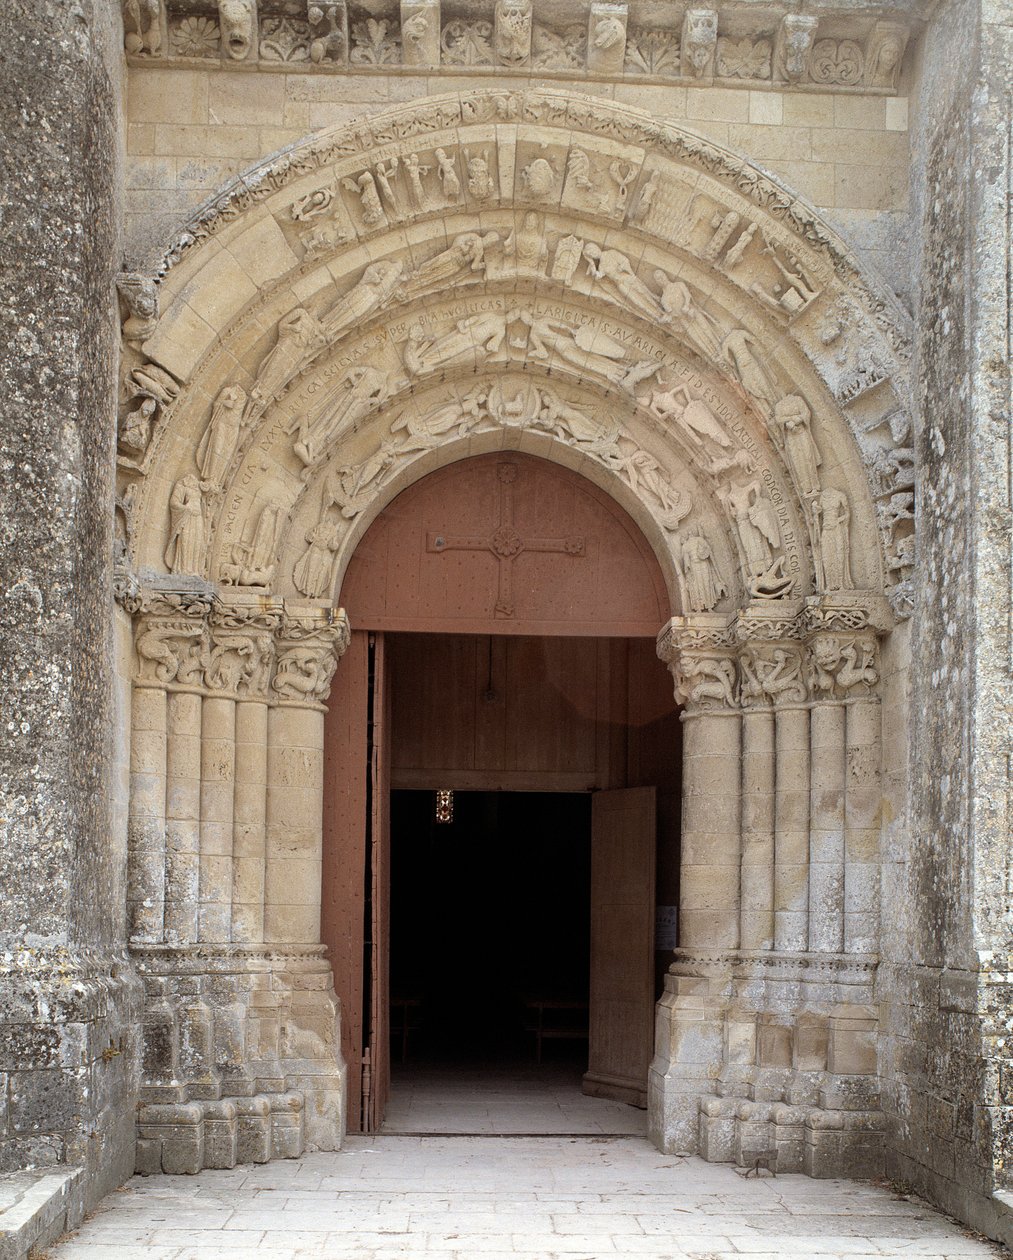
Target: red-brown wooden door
{"type": "Point", "coordinates": [621, 1015]}
{"type": "Point", "coordinates": [356, 871]}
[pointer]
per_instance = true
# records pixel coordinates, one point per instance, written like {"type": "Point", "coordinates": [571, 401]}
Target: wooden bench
{"type": "Point", "coordinates": [558, 1018]}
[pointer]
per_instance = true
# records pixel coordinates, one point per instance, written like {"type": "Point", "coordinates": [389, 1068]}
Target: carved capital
{"type": "Point", "coordinates": [843, 666]}
{"type": "Point", "coordinates": [309, 645]}
{"type": "Point", "coordinates": [700, 652]}
{"type": "Point", "coordinates": [769, 621]}
{"type": "Point", "coordinates": [171, 638]}
{"type": "Point", "coordinates": [241, 648]}
{"type": "Point", "coordinates": [773, 674]}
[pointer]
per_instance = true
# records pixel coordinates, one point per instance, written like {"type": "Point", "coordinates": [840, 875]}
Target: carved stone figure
{"type": "Point", "coordinates": [884, 54]}
{"type": "Point", "coordinates": [839, 664]}
{"type": "Point", "coordinates": [606, 38]}
{"type": "Point", "coordinates": [793, 46]}
{"type": "Point", "coordinates": [795, 294]}
{"type": "Point", "coordinates": [584, 348]}
{"type": "Point", "coordinates": [142, 25]}
{"type": "Point", "coordinates": [681, 312]}
{"type": "Point", "coordinates": [793, 432]}
{"type": "Point", "coordinates": [218, 445]}
{"type": "Point", "coordinates": [304, 672]}
{"type": "Point", "coordinates": [756, 524]}
{"type": "Point", "coordinates": [364, 186]}
{"type": "Point", "coordinates": [568, 254]}
{"type": "Point", "coordinates": [329, 28]}
{"type": "Point", "coordinates": [704, 583]}
{"type": "Point", "coordinates": [478, 334]}
{"type": "Point", "coordinates": [616, 271]}
{"type": "Point", "coordinates": [466, 253]}
{"type": "Point", "coordinates": [642, 207]}
{"type": "Point", "coordinates": [699, 40]}
{"type": "Point", "coordinates": [832, 513]}
{"type": "Point", "coordinates": [595, 434]}
{"type": "Point", "coordinates": [349, 488]}
{"type": "Point", "coordinates": [300, 336]}
{"type": "Point", "coordinates": [184, 552]}
{"type": "Point", "coordinates": [376, 286]}
{"type": "Point", "coordinates": [512, 31]}
{"type": "Point", "coordinates": [707, 682]}
{"type": "Point", "coordinates": [646, 477]}
{"type": "Point", "coordinates": [385, 174]}
{"type": "Point", "coordinates": [525, 247]}
{"type": "Point", "coordinates": [419, 36]}
{"type": "Point", "coordinates": [140, 296]}
{"type": "Point", "coordinates": [253, 562]}
{"type": "Point", "coordinates": [237, 19]}
{"type": "Point", "coordinates": [675, 402]}
{"type": "Point", "coordinates": [136, 426]}
{"type": "Point", "coordinates": [414, 170]}
{"type": "Point", "coordinates": [314, 571]}
{"type": "Point", "coordinates": [737, 350]}
{"type": "Point", "coordinates": [480, 185]}
{"type": "Point", "coordinates": [422, 432]}
{"type": "Point", "coordinates": [449, 181]}
{"type": "Point", "coordinates": [538, 180]}
{"type": "Point", "coordinates": [366, 387]}
{"type": "Point", "coordinates": [773, 674]}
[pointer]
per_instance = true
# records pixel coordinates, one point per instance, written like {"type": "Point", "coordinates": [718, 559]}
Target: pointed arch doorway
{"type": "Point", "coordinates": [504, 612]}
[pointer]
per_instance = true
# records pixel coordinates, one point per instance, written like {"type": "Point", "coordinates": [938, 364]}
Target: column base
{"type": "Point", "coordinates": [768, 1061]}
{"type": "Point", "coordinates": [242, 1056]}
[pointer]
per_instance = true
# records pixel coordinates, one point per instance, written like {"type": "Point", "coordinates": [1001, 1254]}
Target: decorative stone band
{"type": "Point", "coordinates": [733, 46]}
{"type": "Point", "coordinates": [242, 646]}
{"type": "Point", "coordinates": [783, 654]}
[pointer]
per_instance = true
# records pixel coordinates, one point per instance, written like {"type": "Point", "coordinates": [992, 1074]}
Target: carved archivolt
{"type": "Point", "coordinates": [633, 301]}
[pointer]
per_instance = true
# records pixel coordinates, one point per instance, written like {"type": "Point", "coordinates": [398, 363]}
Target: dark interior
{"type": "Point", "coordinates": [490, 914]}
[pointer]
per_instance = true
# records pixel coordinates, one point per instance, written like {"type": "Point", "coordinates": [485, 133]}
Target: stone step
{"type": "Point", "coordinates": [36, 1207]}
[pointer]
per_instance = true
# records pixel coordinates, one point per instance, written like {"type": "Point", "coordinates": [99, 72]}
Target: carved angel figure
{"type": "Point", "coordinates": [346, 488]}
{"type": "Point", "coordinates": [704, 583]}
{"type": "Point", "coordinates": [585, 348]}
{"type": "Point", "coordinates": [184, 552]}
{"type": "Point", "coordinates": [221, 437]}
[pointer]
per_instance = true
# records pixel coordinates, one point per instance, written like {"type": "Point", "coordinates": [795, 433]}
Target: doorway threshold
{"type": "Point", "coordinates": [429, 1101]}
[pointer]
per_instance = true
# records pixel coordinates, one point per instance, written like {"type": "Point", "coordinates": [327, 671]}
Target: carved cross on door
{"type": "Point", "coordinates": [505, 542]}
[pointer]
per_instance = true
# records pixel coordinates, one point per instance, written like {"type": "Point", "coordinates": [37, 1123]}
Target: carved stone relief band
{"type": "Point", "coordinates": [734, 47]}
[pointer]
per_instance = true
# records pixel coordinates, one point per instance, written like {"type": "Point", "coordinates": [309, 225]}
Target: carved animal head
{"type": "Point", "coordinates": [236, 20]}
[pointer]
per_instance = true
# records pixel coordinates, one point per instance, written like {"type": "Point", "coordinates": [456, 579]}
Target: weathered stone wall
{"type": "Point", "coordinates": [191, 131]}
{"type": "Point", "coordinates": [948, 944]}
{"type": "Point", "coordinates": [68, 1003]}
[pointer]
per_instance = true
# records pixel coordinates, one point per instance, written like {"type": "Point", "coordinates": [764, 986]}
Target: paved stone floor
{"type": "Point", "coordinates": [488, 1198]}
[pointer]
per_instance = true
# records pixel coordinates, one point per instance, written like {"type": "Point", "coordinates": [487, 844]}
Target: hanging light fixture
{"type": "Point", "coordinates": [444, 805]}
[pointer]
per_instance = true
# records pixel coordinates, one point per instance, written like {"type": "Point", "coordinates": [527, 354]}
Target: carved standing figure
{"type": "Point", "coordinates": [364, 186]}
{"type": "Point", "coordinates": [617, 272]}
{"type": "Point", "coordinates": [756, 525]}
{"type": "Point", "coordinates": [681, 312]}
{"type": "Point", "coordinates": [793, 420]}
{"type": "Point", "coordinates": [300, 336]}
{"type": "Point", "coordinates": [414, 169]}
{"type": "Point", "coordinates": [526, 247]}
{"type": "Point", "coordinates": [221, 437]}
{"type": "Point", "coordinates": [704, 584]}
{"type": "Point", "coordinates": [833, 519]}
{"type": "Point", "coordinates": [375, 288]}
{"type": "Point", "coordinates": [312, 573]}
{"type": "Point", "coordinates": [737, 349]}
{"type": "Point", "coordinates": [184, 552]}
{"type": "Point", "coordinates": [447, 167]}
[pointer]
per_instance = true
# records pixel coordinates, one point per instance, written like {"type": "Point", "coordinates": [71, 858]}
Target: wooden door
{"type": "Point", "coordinates": [378, 1045]}
{"type": "Point", "coordinates": [621, 1016]}
{"type": "Point", "coordinates": [356, 882]}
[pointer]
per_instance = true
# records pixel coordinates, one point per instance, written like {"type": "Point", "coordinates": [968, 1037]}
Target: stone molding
{"type": "Point", "coordinates": [843, 48]}
{"type": "Point", "coordinates": [788, 654]}
{"type": "Point", "coordinates": [236, 646]}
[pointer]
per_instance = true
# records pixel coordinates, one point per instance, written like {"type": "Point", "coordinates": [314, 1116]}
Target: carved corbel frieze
{"type": "Point", "coordinates": [237, 21]}
{"type": "Point", "coordinates": [793, 47]}
{"type": "Point", "coordinates": [144, 33]}
{"type": "Point", "coordinates": [511, 32]}
{"type": "Point", "coordinates": [699, 43]}
{"type": "Point", "coordinates": [171, 639]}
{"type": "Point", "coordinates": [606, 37]}
{"type": "Point", "coordinates": [241, 648]}
{"type": "Point", "coordinates": [309, 644]}
{"type": "Point", "coordinates": [328, 23]}
{"type": "Point", "coordinates": [884, 52]}
{"type": "Point", "coordinates": [420, 32]}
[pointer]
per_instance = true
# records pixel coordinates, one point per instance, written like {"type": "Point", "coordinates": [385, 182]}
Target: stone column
{"type": "Point", "coordinates": [182, 829]}
{"type": "Point", "coordinates": [862, 804]}
{"type": "Point", "coordinates": [791, 844]}
{"type": "Point", "coordinates": [826, 824]}
{"type": "Point", "coordinates": [217, 791]}
{"type": "Point", "coordinates": [689, 1029]}
{"type": "Point", "coordinates": [309, 646]}
{"type": "Point", "coordinates": [250, 834]}
{"type": "Point", "coordinates": [146, 818]}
